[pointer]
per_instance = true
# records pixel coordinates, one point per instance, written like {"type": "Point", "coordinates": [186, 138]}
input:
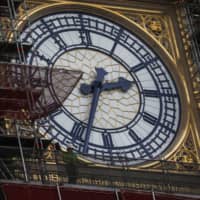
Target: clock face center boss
{"type": "Point", "coordinates": [126, 106]}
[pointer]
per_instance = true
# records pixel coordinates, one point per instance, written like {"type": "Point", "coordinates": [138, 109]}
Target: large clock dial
{"type": "Point", "coordinates": [108, 121]}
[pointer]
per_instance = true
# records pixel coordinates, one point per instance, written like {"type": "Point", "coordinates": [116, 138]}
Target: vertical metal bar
{"type": "Point", "coordinates": [29, 88]}
{"type": "Point", "coordinates": [117, 194]}
{"type": "Point", "coordinates": [12, 13]}
{"type": "Point", "coordinates": [58, 191]}
{"type": "Point", "coordinates": [163, 171]}
{"type": "Point", "coordinates": [153, 194]}
{"type": "Point", "coordinates": [20, 49]}
{"type": "Point", "coordinates": [196, 51]}
{"type": "Point", "coordinates": [28, 27]}
{"type": "Point", "coordinates": [39, 146]}
{"type": "Point", "coordinates": [21, 152]}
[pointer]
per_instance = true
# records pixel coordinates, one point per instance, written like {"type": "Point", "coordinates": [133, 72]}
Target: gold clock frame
{"type": "Point", "coordinates": [174, 56]}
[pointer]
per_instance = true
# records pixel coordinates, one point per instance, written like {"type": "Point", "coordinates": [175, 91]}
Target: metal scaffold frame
{"type": "Point", "coordinates": [192, 9]}
{"type": "Point", "coordinates": [9, 87]}
{"type": "Point", "coordinates": [27, 92]}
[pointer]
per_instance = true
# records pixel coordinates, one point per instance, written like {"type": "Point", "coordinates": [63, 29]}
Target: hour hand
{"type": "Point", "coordinates": [122, 84]}
{"type": "Point", "coordinates": [100, 74]}
{"type": "Point", "coordinates": [87, 89]}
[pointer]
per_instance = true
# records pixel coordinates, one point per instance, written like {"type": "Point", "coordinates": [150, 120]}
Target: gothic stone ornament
{"type": "Point", "coordinates": [123, 126]}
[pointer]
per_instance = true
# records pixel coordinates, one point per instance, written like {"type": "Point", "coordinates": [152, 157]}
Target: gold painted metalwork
{"type": "Point", "coordinates": [193, 68]}
{"type": "Point", "coordinates": [49, 154]}
{"type": "Point", "coordinates": [157, 24]}
{"type": "Point", "coordinates": [184, 158]}
{"type": "Point", "coordinates": [188, 153]}
{"type": "Point", "coordinates": [190, 150]}
{"type": "Point", "coordinates": [147, 27]}
{"type": "Point", "coordinates": [5, 28]}
{"type": "Point", "coordinates": [53, 177]}
{"type": "Point", "coordinates": [153, 22]}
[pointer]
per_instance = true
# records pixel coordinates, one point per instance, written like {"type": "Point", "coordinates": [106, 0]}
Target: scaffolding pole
{"type": "Point", "coordinates": [21, 152]}
{"type": "Point", "coordinates": [58, 191]}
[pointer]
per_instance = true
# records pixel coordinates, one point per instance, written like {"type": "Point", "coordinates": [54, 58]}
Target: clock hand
{"type": "Point", "coordinates": [95, 98]}
{"type": "Point", "coordinates": [100, 74]}
{"type": "Point", "coordinates": [94, 88]}
{"type": "Point", "coordinates": [87, 89]}
{"type": "Point", "coordinates": [122, 84]}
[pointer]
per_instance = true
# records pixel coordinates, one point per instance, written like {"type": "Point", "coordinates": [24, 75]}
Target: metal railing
{"type": "Point", "coordinates": [169, 177]}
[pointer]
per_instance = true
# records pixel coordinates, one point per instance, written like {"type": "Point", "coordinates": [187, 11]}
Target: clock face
{"type": "Point", "coordinates": [106, 121]}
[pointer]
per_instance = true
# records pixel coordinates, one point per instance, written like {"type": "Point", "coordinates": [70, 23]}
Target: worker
{"type": "Point", "coordinates": [71, 161]}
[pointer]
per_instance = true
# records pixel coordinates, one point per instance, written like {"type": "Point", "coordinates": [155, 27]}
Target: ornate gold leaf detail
{"type": "Point", "coordinates": [156, 25]}
{"type": "Point", "coordinates": [193, 68]}
{"type": "Point", "coordinates": [187, 157]}
{"type": "Point", "coordinates": [5, 27]}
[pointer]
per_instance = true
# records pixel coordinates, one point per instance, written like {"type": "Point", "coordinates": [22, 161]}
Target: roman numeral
{"type": "Point", "coordinates": [41, 56]}
{"type": "Point", "coordinates": [84, 33]}
{"type": "Point", "coordinates": [138, 67]}
{"type": "Point", "coordinates": [77, 132]}
{"type": "Point", "coordinates": [85, 37]}
{"type": "Point", "coordinates": [142, 65]}
{"type": "Point", "coordinates": [143, 150]}
{"type": "Point", "coordinates": [151, 93]}
{"type": "Point", "coordinates": [107, 140]}
{"type": "Point", "coordinates": [156, 94]}
{"type": "Point", "coordinates": [57, 39]}
{"type": "Point", "coordinates": [134, 136]}
{"type": "Point", "coordinates": [149, 118]}
{"type": "Point", "coordinates": [53, 115]}
{"type": "Point", "coordinates": [116, 41]}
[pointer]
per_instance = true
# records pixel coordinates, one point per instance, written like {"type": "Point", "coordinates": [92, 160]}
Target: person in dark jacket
{"type": "Point", "coordinates": [71, 160]}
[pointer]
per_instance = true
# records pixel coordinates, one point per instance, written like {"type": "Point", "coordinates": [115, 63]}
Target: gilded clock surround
{"type": "Point", "coordinates": [152, 32]}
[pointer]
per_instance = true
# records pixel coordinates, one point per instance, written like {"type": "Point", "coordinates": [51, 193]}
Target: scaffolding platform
{"type": "Point", "coordinates": [4, 7]}
{"type": "Point", "coordinates": [9, 145]}
{"type": "Point", "coordinates": [12, 50]}
{"type": "Point", "coordinates": [31, 92]}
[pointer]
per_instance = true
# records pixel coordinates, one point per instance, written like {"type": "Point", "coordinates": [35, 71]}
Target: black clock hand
{"type": "Point", "coordinates": [87, 89]}
{"type": "Point", "coordinates": [95, 87]}
{"type": "Point", "coordinates": [100, 74]}
{"type": "Point", "coordinates": [93, 108]}
{"type": "Point", "coordinates": [122, 84]}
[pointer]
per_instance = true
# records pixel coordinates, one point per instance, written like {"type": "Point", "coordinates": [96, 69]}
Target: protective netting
{"type": "Point", "coordinates": [30, 92]}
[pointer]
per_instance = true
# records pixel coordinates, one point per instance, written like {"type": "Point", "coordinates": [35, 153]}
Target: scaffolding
{"type": "Point", "coordinates": [27, 93]}
{"type": "Point", "coordinates": [193, 14]}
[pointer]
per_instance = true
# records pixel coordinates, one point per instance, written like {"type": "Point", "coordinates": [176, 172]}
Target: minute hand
{"type": "Point", "coordinates": [93, 108]}
{"type": "Point", "coordinates": [122, 84]}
